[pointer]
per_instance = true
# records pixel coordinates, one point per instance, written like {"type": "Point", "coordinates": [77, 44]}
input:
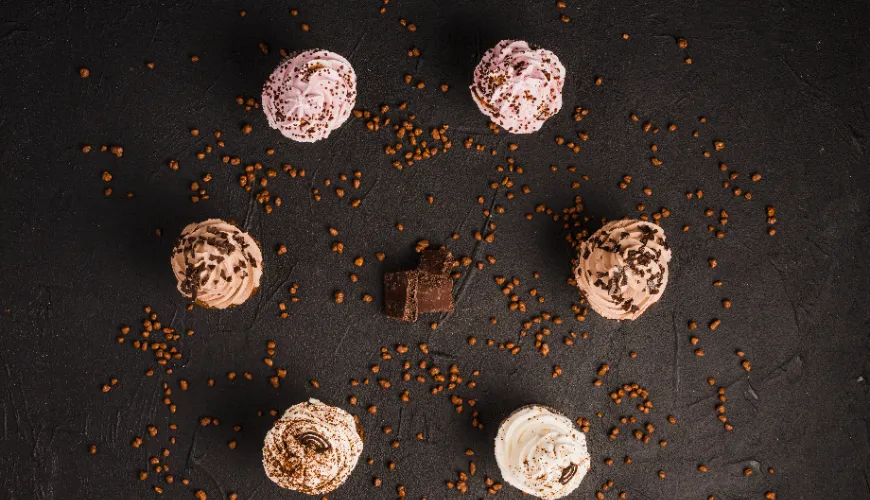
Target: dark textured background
{"type": "Point", "coordinates": [784, 84]}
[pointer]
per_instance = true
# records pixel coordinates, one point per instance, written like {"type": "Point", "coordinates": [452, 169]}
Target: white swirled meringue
{"type": "Point", "coordinates": [312, 448]}
{"type": "Point", "coordinates": [217, 264]}
{"type": "Point", "coordinates": [622, 269]}
{"type": "Point", "coordinates": [539, 451]}
{"type": "Point", "coordinates": [310, 94]}
{"type": "Point", "coordinates": [517, 86]}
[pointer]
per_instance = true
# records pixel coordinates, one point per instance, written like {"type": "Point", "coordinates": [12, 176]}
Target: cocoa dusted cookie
{"type": "Point", "coordinates": [313, 448]}
{"type": "Point", "coordinates": [539, 451]}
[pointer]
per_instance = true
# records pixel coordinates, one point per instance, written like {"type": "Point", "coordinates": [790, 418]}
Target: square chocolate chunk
{"type": "Point", "coordinates": [434, 293]}
{"type": "Point", "coordinates": [436, 261]}
{"type": "Point", "coordinates": [400, 295]}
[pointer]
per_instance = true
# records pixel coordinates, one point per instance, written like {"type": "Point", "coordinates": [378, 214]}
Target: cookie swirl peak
{"type": "Point", "coordinates": [518, 86]}
{"type": "Point", "coordinates": [541, 452]}
{"type": "Point", "coordinates": [310, 94]}
{"type": "Point", "coordinates": [217, 264]}
{"type": "Point", "coordinates": [312, 448]}
{"type": "Point", "coordinates": [622, 269]}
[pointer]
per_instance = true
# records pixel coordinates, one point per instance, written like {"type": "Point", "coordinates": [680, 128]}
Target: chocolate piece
{"type": "Point", "coordinates": [427, 289]}
{"type": "Point", "coordinates": [436, 261]}
{"type": "Point", "coordinates": [434, 293]}
{"type": "Point", "coordinates": [400, 295]}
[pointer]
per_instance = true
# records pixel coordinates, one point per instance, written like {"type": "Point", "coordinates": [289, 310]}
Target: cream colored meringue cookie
{"type": "Point", "coordinates": [310, 94]}
{"type": "Point", "coordinates": [217, 264]}
{"type": "Point", "coordinates": [540, 452]}
{"type": "Point", "coordinates": [312, 448]}
{"type": "Point", "coordinates": [518, 86]}
{"type": "Point", "coordinates": [622, 269]}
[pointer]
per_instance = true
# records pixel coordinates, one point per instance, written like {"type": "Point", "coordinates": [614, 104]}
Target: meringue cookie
{"type": "Point", "coordinates": [622, 269]}
{"type": "Point", "coordinates": [312, 448]}
{"type": "Point", "coordinates": [540, 452]}
{"type": "Point", "coordinates": [310, 94]}
{"type": "Point", "coordinates": [518, 87]}
{"type": "Point", "coordinates": [217, 264]}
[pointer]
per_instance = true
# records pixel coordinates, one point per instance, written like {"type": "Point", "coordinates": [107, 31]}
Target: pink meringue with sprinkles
{"type": "Point", "coordinates": [310, 94]}
{"type": "Point", "coordinates": [518, 86]}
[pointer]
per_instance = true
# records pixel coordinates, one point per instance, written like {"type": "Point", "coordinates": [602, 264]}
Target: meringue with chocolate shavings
{"type": "Point", "coordinates": [217, 265]}
{"type": "Point", "coordinates": [622, 269]}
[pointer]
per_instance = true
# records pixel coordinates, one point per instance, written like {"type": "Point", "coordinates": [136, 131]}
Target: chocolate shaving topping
{"type": "Point", "coordinates": [568, 473]}
{"type": "Point", "coordinates": [314, 441]}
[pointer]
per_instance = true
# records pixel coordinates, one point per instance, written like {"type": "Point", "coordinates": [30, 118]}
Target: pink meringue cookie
{"type": "Point", "coordinates": [310, 94]}
{"type": "Point", "coordinates": [517, 86]}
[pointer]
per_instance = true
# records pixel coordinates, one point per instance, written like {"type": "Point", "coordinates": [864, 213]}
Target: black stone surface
{"type": "Point", "coordinates": [783, 84]}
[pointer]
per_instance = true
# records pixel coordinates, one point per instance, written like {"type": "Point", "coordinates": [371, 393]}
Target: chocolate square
{"type": "Point", "coordinates": [436, 261]}
{"type": "Point", "coordinates": [434, 293]}
{"type": "Point", "coordinates": [400, 295]}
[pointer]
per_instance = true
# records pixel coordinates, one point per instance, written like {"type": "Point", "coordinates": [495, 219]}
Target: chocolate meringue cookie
{"type": "Point", "coordinates": [517, 86]}
{"type": "Point", "coordinates": [622, 269]}
{"type": "Point", "coordinates": [540, 452]}
{"type": "Point", "coordinates": [217, 264]}
{"type": "Point", "coordinates": [310, 94]}
{"type": "Point", "coordinates": [312, 448]}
